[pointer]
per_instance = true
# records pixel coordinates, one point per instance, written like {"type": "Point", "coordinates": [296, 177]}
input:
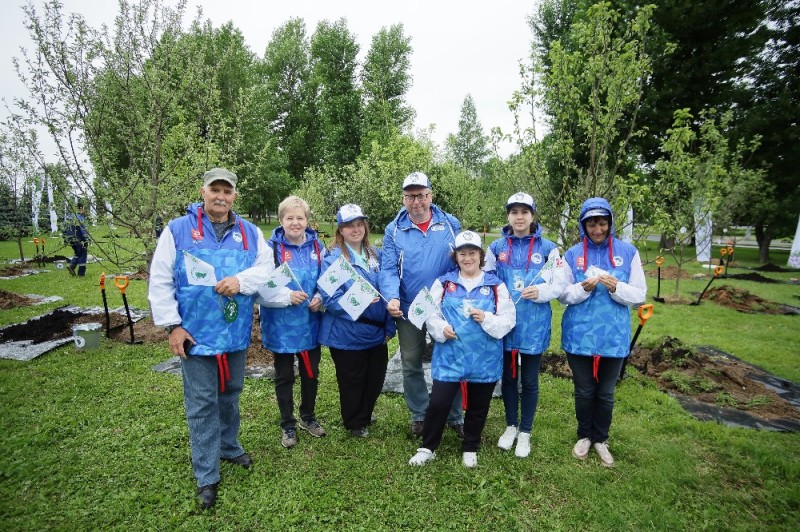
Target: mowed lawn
{"type": "Point", "coordinates": [97, 440]}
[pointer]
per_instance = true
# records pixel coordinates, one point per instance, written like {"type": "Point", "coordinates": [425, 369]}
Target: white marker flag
{"type": "Point", "coordinates": [199, 273]}
{"type": "Point", "coordinates": [336, 275]}
{"type": "Point", "coordinates": [280, 277]}
{"type": "Point", "coordinates": [421, 308]}
{"type": "Point", "coordinates": [356, 300]}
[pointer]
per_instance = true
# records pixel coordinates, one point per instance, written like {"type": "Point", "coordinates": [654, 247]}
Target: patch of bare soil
{"type": "Point", "coordinates": [757, 277]}
{"type": "Point", "coordinates": [11, 300]}
{"type": "Point", "coordinates": [257, 354]}
{"type": "Point", "coordinates": [13, 271]}
{"type": "Point", "coordinates": [669, 272]}
{"type": "Point", "coordinates": [742, 300]}
{"type": "Point", "coordinates": [714, 380]}
{"type": "Point", "coordinates": [769, 267]}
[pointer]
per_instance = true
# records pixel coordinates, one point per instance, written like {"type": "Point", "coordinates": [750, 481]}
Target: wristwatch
{"type": "Point", "coordinates": [170, 328]}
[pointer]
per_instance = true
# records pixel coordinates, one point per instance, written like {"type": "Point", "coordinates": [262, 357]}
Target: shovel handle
{"type": "Point", "coordinates": [659, 261]}
{"type": "Point", "coordinates": [36, 241]}
{"type": "Point", "coordinates": [645, 313]}
{"type": "Point", "coordinates": [121, 282]}
{"type": "Point", "coordinates": [718, 271]}
{"type": "Point", "coordinates": [723, 252]}
{"type": "Point", "coordinates": [103, 281]}
{"type": "Point", "coordinates": [730, 250]}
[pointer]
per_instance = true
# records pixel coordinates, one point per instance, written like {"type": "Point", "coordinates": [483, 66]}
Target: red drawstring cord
{"type": "Point", "coordinates": [244, 235]}
{"type": "Point", "coordinates": [595, 367]}
{"type": "Point", "coordinates": [224, 371]}
{"type": "Point", "coordinates": [463, 395]}
{"type": "Point", "coordinates": [514, 353]}
{"type": "Point", "coordinates": [200, 222]}
{"type": "Point", "coordinates": [307, 364]}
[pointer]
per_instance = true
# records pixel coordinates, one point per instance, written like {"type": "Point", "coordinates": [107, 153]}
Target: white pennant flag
{"type": "Point", "coordinates": [548, 270]}
{"type": "Point", "coordinates": [280, 277]}
{"type": "Point", "coordinates": [199, 272]}
{"type": "Point", "coordinates": [421, 308]}
{"type": "Point", "coordinates": [335, 276]}
{"type": "Point", "coordinates": [358, 297]}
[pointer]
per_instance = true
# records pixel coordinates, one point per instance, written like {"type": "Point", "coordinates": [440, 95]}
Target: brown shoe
{"type": "Point", "coordinates": [416, 427]}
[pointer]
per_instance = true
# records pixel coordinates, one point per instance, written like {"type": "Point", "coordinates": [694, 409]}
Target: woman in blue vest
{"type": "Point", "coordinates": [290, 319]}
{"type": "Point", "coordinates": [358, 347]}
{"type": "Point", "coordinates": [476, 311]}
{"type": "Point", "coordinates": [518, 258]}
{"type": "Point", "coordinates": [605, 278]}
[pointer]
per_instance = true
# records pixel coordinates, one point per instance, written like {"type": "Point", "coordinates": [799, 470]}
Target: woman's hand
{"type": "Point", "coordinates": [478, 315]}
{"type": "Point", "coordinates": [449, 333]}
{"type": "Point", "coordinates": [589, 284]}
{"type": "Point", "coordinates": [609, 281]}
{"type": "Point", "coordinates": [530, 292]}
{"type": "Point", "coordinates": [297, 297]}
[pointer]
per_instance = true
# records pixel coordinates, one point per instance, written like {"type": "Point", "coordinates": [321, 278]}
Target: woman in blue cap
{"type": "Point", "coordinates": [358, 347]}
{"type": "Point", "coordinates": [605, 278]}
{"type": "Point", "coordinates": [519, 258]}
{"type": "Point", "coordinates": [475, 313]}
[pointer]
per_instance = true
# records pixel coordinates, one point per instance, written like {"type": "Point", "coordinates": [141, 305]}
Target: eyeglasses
{"type": "Point", "coordinates": [416, 197]}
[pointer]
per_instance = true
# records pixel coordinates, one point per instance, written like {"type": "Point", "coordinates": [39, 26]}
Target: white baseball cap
{"type": "Point", "coordinates": [348, 213]}
{"type": "Point", "coordinates": [521, 198]}
{"type": "Point", "coordinates": [468, 238]}
{"type": "Point", "coordinates": [416, 179]}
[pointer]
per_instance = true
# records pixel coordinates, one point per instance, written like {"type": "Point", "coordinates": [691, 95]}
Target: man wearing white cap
{"type": "Point", "coordinates": [416, 251]}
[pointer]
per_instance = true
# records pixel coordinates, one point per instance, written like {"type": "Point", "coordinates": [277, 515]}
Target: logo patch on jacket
{"type": "Point", "coordinates": [536, 258]}
{"type": "Point", "coordinates": [618, 261]}
{"type": "Point", "coordinates": [502, 257]}
{"type": "Point", "coordinates": [579, 262]}
{"type": "Point", "coordinates": [485, 290]}
{"type": "Point", "coordinates": [314, 255]}
{"type": "Point", "coordinates": [237, 236]}
{"type": "Point", "coordinates": [287, 255]}
{"type": "Point", "coordinates": [451, 287]}
{"type": "Point", "coordinates": [196, 236]}
{"type": "Point", "coordinates": [436, 228]}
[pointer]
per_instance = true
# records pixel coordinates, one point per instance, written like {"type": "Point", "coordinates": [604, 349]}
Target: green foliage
{"type": "Point", "coordinates": [469, 148]}
{"type": "Point", "coordinates": [386, 79]}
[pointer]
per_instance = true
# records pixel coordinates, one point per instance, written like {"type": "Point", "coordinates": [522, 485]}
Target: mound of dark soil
{"type": "Point", "coordinates": [11, 300]}
{"type": "Point", "coordinates": [742, 300]}
{"type": "Point", "coordinates": [757, 277]}
{"type": "Point", "coordinates": [769, 267]}
{"type": "Point", "coordinates": [714, 378]}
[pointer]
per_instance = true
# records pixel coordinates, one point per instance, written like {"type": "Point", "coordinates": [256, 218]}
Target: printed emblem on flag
{"type": "Point", "coordinates": [354, 301]}
{"type": "Point", "coordinates": [519, 284]}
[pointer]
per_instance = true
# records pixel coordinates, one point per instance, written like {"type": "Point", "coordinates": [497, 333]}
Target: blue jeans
{"type": "Point", "coordinates": [528, 374]}
{"type": "Point", "coordinates": [412, 347]}
{"type": "Point", "coordinates": [213, 416]}
{"type": "Point", "coordinates": [594, 401]}
{"type": "Point", "coordinates": [80, 257]}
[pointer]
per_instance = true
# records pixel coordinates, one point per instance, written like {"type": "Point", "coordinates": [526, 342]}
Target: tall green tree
{"type": "Point", "coordinates": [385, 81]}
{"type": "Point", "coordinates": [334, 53]}
{"type": "Point", "coordinates": [289, 92]}
{"type": "Point", "coordinates": [469, 148]}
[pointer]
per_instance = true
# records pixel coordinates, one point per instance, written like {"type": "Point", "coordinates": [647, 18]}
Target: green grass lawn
{"type": "Point", "coordinates": [97, 440]}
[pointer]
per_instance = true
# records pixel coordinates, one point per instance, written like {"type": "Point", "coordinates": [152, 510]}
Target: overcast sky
{"type": "Point", "coordinates": [459, 47]}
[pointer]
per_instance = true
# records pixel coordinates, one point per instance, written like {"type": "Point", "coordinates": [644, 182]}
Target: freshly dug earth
{"type": "Point", "coordinates": [742, 300]}
{"type": "Point", "coordinates": [714, 380]}
{"type": "Point", "coordinates": [757, 277]}
{"type": "Point", "coordinates": [9, 300]}
{"type": "Point", "coordinates": [58, 324]}
{"type": "Point", "coordinates": [769, 267]}
{"type": "Point", "coordinates": [668, 272]}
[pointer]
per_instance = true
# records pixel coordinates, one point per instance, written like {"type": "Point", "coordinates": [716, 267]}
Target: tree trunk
{"type": "Point", "coordinates": [666, 243]}
{"type": "Point", "coordinates": [21, 253]}
{"type": "Point", "coordinates": [764, 239]}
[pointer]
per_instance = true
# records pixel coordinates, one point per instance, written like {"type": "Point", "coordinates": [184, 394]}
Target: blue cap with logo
{"type": "Point", "coordinates": [348, 213]}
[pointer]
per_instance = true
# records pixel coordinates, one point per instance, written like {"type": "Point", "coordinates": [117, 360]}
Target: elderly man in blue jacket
{"type": "Point", "coordinates": [416, 251]}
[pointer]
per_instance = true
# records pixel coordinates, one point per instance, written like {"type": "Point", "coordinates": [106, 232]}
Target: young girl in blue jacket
{"type": "Point", "coordinates": [518, 258]}
{"type": "Point", "coordinates": [358, 348]}
{"type": "Point", "coordinates": [476, 311]}
{"type": "Point", "coordinates": [605, 278]}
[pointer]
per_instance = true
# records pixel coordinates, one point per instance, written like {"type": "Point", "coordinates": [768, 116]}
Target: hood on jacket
{"type": "Point", "coordinates": [595, 203]}
{"type": "Point", "coordinates": [279, 236]}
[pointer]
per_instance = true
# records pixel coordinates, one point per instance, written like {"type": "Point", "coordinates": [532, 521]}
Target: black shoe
{"type": "Point", "coordinates": [416, 427]}
{"type": "Point", "coordinates": [243, 460]}
{"type": "Point", "coordinates": [207, 496]}
{"type": "Point", "coordinates": [360, 433]}
{"type": "Point", "coordinates": [458, 428]}
{"type": "Point", "coordinates": [71, 269]}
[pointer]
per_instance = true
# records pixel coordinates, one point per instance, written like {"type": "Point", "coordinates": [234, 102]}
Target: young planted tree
{"type": "Point", "coordinates": [136, 113]}
{"type": "Point", "coordinates": [18, 172]}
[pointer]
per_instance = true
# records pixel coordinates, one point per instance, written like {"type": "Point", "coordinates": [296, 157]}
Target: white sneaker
{"type": "Point", "coordinates": [422, 457]}
{"type": "Point", "coordinates": [581, 449]}
{"type": "Point", "coordinates": [605, 456]}
{"type": "Point", "coordinates": [523, 445]}
{"type": "Point", "coordinates": [507, 439]}
{"type": "Point", "coordinates": [470, 459]}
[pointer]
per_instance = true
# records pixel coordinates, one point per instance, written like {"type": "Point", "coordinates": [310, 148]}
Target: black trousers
{"type": "Point", "coordinates": [479, 396]}
{"type": "Point", "coordinates": [284, 386]}
{"type": "Point", "coordinates": [360, 374]}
